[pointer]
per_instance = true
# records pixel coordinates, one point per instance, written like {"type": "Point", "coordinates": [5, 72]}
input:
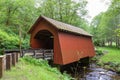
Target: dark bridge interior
{"type": "Point", "coordinates": [46, 39]}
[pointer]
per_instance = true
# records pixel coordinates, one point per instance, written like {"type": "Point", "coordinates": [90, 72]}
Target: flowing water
{"type": "Point", "coordinates": [96, 73]}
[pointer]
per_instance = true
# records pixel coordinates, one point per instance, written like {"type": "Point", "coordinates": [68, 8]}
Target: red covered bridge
{"type": "Point", "coordinates": [68, 42]}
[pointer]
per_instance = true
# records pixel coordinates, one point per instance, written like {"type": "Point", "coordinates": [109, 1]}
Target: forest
{"type": "Point", "coordinates": [16, 18]}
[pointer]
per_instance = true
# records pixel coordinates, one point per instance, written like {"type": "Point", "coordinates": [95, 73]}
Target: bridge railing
{"type": "Point", "coordinates": [39, 53]}
{"type": "Point", "coordinates": [36, 53]}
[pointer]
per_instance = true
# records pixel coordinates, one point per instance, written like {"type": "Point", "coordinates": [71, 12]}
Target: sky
{"type": "Point", "coordinates": [94, 7]}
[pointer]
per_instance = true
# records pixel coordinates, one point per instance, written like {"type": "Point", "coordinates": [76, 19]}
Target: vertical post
{"type": "Point", "coordinates": [13, 59]}
{"type": "Point", "coordinates": [16, 57]}
{"type": "Point", "coordinates": [4, 59]}
{"type": "Point", "coordinates": [1, 66]}
{"type": "Point", "coordinates": [22, 53]}
{"type": "Point", "coordinates": [52, 54]}
{"type": "Point", "coordinates": [34, 53]}
{"type": "Point", "coordinates": [8, 61]}
{"type": "Point", "coordinates": [43, 54]}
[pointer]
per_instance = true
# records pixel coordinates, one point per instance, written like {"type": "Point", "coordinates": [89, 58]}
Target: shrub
{"type": "Point", "coordinates": [1, 51]}
{"type": "Point", "coordinates": [8, 41]}
{"type": "Point", "coordinates": [94, 59]}
{"type": "Point", "coordinates": [118, 70]}
{"type": "Point", "coordinates": [99, 52]}
{"type": "Point", "coordinates": [11, 41]}
{"type": "Point", "coordinates": [115, 66]}
{"type": "Point", "coordinates": [25, 43]}
{"type": "Point", "coordinates": [38, 62]}
{"type": "Point", "coordinates": [45, 65]}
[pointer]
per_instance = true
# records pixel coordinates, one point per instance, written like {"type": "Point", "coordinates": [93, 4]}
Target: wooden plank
{"type": "Point", "coordinates": [11, 50]}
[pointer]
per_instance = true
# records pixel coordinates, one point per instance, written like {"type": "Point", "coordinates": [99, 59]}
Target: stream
{"type": "Point", "coordinates": [96, 73]}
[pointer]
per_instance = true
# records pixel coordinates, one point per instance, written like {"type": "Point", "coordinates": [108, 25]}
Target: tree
{"type": "Point", "coordinates": [108, 23]}
{"type": "Point", "coordinates": [97, 30]}
{"type": "Point", "coordinates": [118, 32]}
{"type": "Point", "coordinates": [67, 11]}
{"type": "Point", "coordinates": [15, 15]}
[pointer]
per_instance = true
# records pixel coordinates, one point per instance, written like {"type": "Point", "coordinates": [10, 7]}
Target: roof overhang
{"type": "Point", "coordinates": [60, 26]}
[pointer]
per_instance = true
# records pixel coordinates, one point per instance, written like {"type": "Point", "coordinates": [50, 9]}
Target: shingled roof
{"type": "Point", "coordinates": [62, 26]}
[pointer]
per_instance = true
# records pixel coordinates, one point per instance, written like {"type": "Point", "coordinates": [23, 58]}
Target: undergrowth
{"type": "Point", "coordinates": [108, 57]}
{"type": "Point", "coordinates": [32, 69]}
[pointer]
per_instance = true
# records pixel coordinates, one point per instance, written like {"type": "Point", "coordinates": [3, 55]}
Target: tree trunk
{"type": "Point", "coordinates": [110, 42]}
{"type": "Point", "coordinates": [117, 41]}
{"type": "Point", "coordinates": [20, 40]}
{"type": "Point", "coordinates": [8, 17]}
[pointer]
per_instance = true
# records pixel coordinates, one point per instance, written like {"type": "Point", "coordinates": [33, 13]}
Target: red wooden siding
{"type": "Point", "coordinates": [75, 47]}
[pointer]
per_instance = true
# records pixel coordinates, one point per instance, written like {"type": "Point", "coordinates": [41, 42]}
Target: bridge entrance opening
{"type": "Point", "coordinates": [46, 39]}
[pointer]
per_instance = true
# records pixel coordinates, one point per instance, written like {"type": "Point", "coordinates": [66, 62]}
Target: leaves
{"type": "Point", "coordinates": [105, 24]}
{"type": "Point", "coordinates": [8, 41]}
{"type": "Point", "coordinates": [118, 32]}
{"type": "Point", "coordinates": [18, 16]}
{"type": "Point", "coordinates": [67, 11]}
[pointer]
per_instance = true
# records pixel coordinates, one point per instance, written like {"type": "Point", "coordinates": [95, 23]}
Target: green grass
{"type": "Point", "coordinates": [113, 54]}
{"type": "Point", "coordinates": [28, 69]}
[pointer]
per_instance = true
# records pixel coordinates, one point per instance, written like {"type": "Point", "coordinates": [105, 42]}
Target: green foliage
{"type": "Point", "coordinates": [11, 41]}
{"type": "Point", "coordinates": [117, 31]}
{"type": "Point", "coordinates": [105, 26]}
{"type": "Point", "coordinates": [96, 31]}
{"type": "Point", "coordinates": [39, 62]}
{"type": "Point", "coordinates": [67, 77]}
{"type": "Point", "coordinates": [32, 69]}
{"type": "Point", "coordinates": [25, 43]}
{"type": "Point", "coordinates": [1, 51]}
{"type": "Point", "coordinates": [99, 52]}
{"type": "Point", "coordinates": [16, 17]}
{"type": "Point", "coordinates": [112, 55]}
{"type": "Point", "coordinates": [115, 66]}
{"type": "Point", "coordinates": [8, 41]}
{"type": "Point", "coordinates": [46, 66]}
{"type": "Point", "coordinates": [67, 11]}
{"type": "Point", "coordinates": [110, 60]}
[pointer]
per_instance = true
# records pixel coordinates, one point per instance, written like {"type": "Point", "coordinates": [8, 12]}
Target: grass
{"type": "Point", "coordinates": [113, 54]}
{"type": "Point", "coordinates": [32, 69]}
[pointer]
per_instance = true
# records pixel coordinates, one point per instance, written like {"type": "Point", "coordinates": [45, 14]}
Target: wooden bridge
{"type": "Point", "coordinates": [46, 54]}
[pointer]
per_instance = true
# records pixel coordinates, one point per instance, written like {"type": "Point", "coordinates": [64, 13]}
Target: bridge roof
{"type": "Point", "coordinates": [61, 26]}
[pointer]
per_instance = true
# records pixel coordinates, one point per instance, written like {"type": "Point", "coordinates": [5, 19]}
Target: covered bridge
{"type": "Point", "coordinates": [68, 42]}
